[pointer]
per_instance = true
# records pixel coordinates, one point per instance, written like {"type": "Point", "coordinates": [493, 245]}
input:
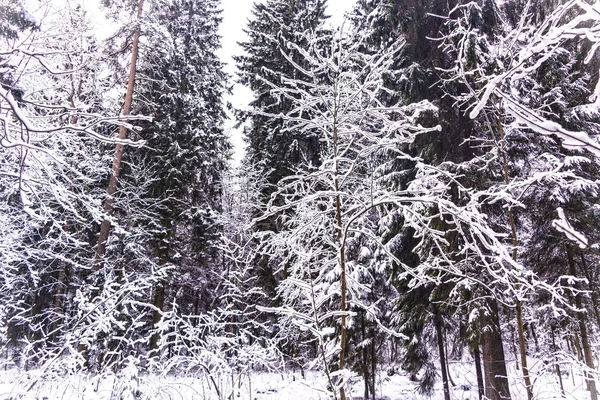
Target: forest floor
{"type": "Point", "coordinates": [267, 386]}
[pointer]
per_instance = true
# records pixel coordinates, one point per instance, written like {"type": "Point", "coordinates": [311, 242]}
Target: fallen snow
{"type": "Point", "coordinates": [271, 386]}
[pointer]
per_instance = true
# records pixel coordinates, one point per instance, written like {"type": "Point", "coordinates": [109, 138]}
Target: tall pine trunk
{"type": "Point", "coordinates": [116, 164]}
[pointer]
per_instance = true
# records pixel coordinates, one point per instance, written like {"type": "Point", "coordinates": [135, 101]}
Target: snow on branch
{"type": "Point", "coordinates": [526, 116]}
{"type": "Point", "coordinates": [562, 225]}
{"type": "Point", "coordinates": [94, 121]}
{"type": "Point", "coordinates": [545, 41]}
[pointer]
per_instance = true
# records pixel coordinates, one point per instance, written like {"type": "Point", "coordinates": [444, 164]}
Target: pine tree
{"type": "Point", "coordinates": [120, 148]}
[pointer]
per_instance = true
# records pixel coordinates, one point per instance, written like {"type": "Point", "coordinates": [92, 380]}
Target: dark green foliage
{"type": "Point", "coordinates": [181, 86]}
{"type": "Point", "coordinates": [169, 225]}
{"type": "Point", "coordinates": [277, 151]}
{"type": "Point", "coordinates": [13, 20]}
{"type": "Point", "coordinates": [418, 75]}
{"type": "Point", "coordinates": [413, 319]}
{"type": "Point", "coordinates": [274, 150]}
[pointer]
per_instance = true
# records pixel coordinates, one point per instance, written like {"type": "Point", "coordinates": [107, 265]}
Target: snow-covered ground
{"type": "Point", "coordinates": [262, 386]}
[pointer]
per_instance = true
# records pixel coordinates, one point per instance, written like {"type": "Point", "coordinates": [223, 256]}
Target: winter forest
{"type": "Point", "coordinates": [416, 214]}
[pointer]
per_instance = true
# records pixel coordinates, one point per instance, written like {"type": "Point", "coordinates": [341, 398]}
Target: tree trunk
{"type": "Point", "coordinates": [365, 359]}
{"type": "Point", "coordinates": [568, 342]}
{"type": "Point", "coordinates": [534, 336]}
{"type": "Point", "coordinates": [592, 288]}
{"type": "Point", "coordinates": [587, 349]}
{"type": "Point", "coordinates": [440, 342]}
{"type": "Point", "coordinates": [341, 254]}
{"type": "Point", "coordinates": [343, 289]}
{"type": "Point", "coordinates": [478, 372]}
{"type": "Point", "coordinates": [494, 364]}
{"type": "Point", "coordinates": [159, 303]}
{"type": "Point", "coordinates": [445, 337]}
{"type": "Point", "coordinates": [577, 347]}
{"type": "Point", "coordinates": [319, 347]}
{"type": "Point", "coordinates": [515, 244]}
{"type": "Point", "coordinates": [373, 363]}
{"type": "Point", "coordinates": [514, 347]}
{"type": "Point", "coordinates": [523, 350]}
{"type": "Point", "coordinates": [556, 365]}
{"type": "Point", "coordinates": [116, 164]}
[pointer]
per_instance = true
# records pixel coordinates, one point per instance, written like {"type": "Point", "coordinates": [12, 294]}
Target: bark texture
{"type": "Point", "coordinates": [494, 364]}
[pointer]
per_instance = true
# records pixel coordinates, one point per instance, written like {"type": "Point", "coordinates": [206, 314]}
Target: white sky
{"type": "Point", "coordinates": [235, 16]}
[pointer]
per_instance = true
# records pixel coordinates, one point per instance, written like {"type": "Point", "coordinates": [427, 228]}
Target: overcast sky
{"type": "Point", "coordinates": [235, 16]}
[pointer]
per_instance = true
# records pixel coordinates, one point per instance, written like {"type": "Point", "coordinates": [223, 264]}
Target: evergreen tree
{"type": "Point", "coordinates": [277, 151]}
{"type": "Point", "coordinates": [274, 150]}
{"type": "Point", "coordinates": [14, 19]}
{"type": "Point", "coordinates": [52, 166]}
{"type": "Point", "coordinates": [455, 149]}
{"type": "Point", "coordinates": [542, 80]}
{"type": "Point", "coordinates": [186, 150]}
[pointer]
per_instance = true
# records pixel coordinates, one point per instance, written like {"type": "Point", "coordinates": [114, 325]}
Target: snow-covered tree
{"type": "Point", "coordinates": [54, 124]}
{"type": "Point", "coordinates": [272, 150]}
{"type": "Point", "coordinates": [416, 76]}
{"type": "Point", "coordinates": [330, 247]}
{"type": "Point", "coordinates": [523, 80]}
{"type": "Point", "coordinates": [273, 24]}
{"type": "Point", "coordinates": [181, 87]}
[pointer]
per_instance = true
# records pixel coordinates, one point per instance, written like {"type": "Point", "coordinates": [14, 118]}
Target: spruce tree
{"type": "Point", "coordinates": [273, 150]}
{"type": "Point", "coordinates": [417, 74]}
{"type": "Point", "coordinates": [14, 19]}
{"type": "Point", "coordinates": [186, 150]}
{"type": "Point", "coordinates": [548, 87]}
{"type": "Point", "coordinates": [276, 151]}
